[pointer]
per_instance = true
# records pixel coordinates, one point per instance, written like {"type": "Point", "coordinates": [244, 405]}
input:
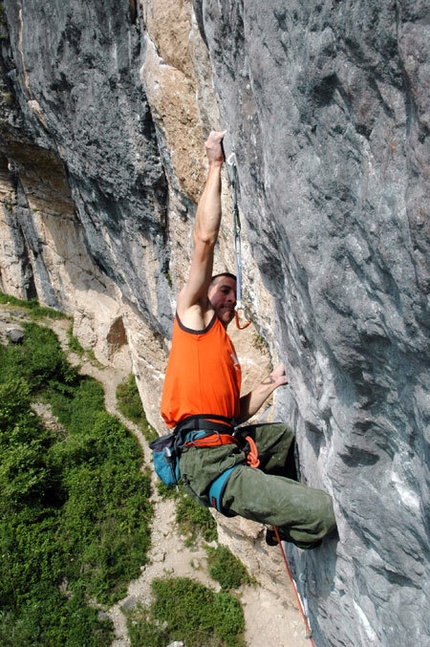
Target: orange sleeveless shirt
{"type": "Point", "coordinates": [203, 374]}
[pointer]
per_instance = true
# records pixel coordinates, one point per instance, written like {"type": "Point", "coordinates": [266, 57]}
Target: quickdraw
{"type": "Point", "coordinates": [232, 174]}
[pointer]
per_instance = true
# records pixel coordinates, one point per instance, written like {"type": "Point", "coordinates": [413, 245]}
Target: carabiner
{"type": "Point", "coordinates": [236, 318]}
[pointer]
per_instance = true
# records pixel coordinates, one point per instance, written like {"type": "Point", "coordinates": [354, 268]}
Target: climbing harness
{"type": "Point", "coordinates": [204, 430]}
{"type": "Point", "coordinates": [232, 174]}
{"type": "Point", "coordinates": [217, 486]}
{"type": "Point", "coordinates": [301, 604]}
{"type": "Point", "coordinates": [166, 450]}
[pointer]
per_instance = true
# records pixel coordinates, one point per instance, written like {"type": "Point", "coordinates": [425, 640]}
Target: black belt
{"type": "Point", "coordinates": [206, 422]}
{"type": "Point", "coordinates": [203, 422]}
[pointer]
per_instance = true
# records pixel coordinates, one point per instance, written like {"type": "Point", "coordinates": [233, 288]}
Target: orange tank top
{"type": "Point", "coordinates": [203, 374]}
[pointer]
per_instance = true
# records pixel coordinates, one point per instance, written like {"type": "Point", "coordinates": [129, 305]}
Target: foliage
{"type": "Point", "coordinates": [32, 306]}
{"type": "Point", "coordinates": [37, 359]}
{"type": "Point", "coordinates": [25, 475]}
{"type": "Point", "coordinates": [226, 569]}
{"type": "Point", "coordinates": [73, 342]}
{"type": "Point", "coordinates": [188, 611]}
{"type": "Point", "coordinates": [194, 520]}
{"type": "Point", "coordinates": [74, 505]}
{"type": "Point", "coordinates": [54, 619]}
{"type": "Point", "coordinates": [167, 491]}
{"type": "Point", "coordinates": [260, 343]}
{"type": "Point", "coordinates": [130, 405]}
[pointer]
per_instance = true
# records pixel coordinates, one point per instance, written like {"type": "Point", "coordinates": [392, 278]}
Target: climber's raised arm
{"type": "Point", "coordinates": [194, 308]}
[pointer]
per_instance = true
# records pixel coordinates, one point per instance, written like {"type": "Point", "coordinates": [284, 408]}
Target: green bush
{"type": "Point", "coordinates": [167, 491]}
{"type": "Point", "coordinates": [38, 358]}
{"type": "Point", "coordinates": [74, 504]}
{"type": "Point", "coordinates": [26, 477]}
{"type": "Point", "coordinates": [194, 520]}
{"type": "Point", "coordinates": [130, 405]}
{"type": "Point", "coordinates": [78, 405]}
{"type": "Point", "coordinates": [188, 611]}
{"type": "Point", "coordinates": [54, 620]}
{"type": "Point", "coordinates": [226, 569]}
{"type": "Point", "coordinates": [73, 342]}
{"type": "Point", "coordinates": [14, 401]}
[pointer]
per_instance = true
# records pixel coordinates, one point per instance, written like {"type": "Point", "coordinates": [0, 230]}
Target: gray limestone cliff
{"type": "Point", "coordinates": [104, 110]}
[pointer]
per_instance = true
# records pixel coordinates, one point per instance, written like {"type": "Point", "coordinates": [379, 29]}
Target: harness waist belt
{"type": "Point", "coordinates": [206, 421]}
{"type": "Point", "coordinates": [204, 439]}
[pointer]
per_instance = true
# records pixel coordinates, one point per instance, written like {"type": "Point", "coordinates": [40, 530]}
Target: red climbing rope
{"type": "Point", "coordinates": [299, 602]}
{"type": "Point", "coordinates": [252, 455]}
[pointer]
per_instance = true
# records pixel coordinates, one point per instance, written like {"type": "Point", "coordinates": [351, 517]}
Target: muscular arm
{"type": "Point", "coordinates": [193, 306]}
{"type": "Point", "coordinates": [251, 403]}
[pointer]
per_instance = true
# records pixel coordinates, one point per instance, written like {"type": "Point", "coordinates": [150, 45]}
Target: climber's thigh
{"type": "Point", "coordinates": [200, 466]}
{"type": "Point", "coordinates": [276, 500]}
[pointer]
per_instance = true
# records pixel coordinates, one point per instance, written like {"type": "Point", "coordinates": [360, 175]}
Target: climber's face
{"type": "Point", "coordinates": [222, 295]}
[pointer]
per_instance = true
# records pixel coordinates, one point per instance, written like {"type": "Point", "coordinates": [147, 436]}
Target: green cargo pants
{"type": "Point", "coordinates": [269, 494]}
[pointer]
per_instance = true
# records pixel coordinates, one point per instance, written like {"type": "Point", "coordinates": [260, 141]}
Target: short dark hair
{"type": "Point", "coordinates": [227, 274]}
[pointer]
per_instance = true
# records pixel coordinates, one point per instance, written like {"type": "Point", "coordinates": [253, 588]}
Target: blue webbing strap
{"type": "Point", "coordinates": [217, 488]}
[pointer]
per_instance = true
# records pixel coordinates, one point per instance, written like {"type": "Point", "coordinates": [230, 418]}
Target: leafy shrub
{"type": "Point", "coordinates": [130, 405]}
{"type": "Point", "coordinates": [226, 568]}
{"type": "Point", "coordinates": [74, 506]}
{"type": "Point", "coordinates": [73, 342]}
{"type": "Point", "coordinates": [38, 359]}
{"type": "Point", "coordinates": [14, 402]}
{"type": "Point", "coordinates": [25, 475]}
{"type": "Point", "coordinates": [188, 611]}
{"type": "Point", "coordinates": [167, 491]}
{"type": "Point", "coordinates": [194, 520]}
{"type": "Point", "coordinates": [54, 620]}
{"type": "Point", "coordinates": [107, 514]}
{"type": "Point", "coordinates": [78, 405]}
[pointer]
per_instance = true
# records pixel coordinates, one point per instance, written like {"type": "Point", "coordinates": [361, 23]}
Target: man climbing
{"type": "Point", "coordinates": [201, 399]}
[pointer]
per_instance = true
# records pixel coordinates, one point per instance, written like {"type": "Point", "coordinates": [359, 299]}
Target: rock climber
{"type": "Point", "coordinates": [201, 399]}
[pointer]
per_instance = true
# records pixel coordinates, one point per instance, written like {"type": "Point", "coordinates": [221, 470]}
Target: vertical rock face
{"type": "Point", "coordinates": [327, 104]}
{"type": "Point", "coordinates": [104, 107]}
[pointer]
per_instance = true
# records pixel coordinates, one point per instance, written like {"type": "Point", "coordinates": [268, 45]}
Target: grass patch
{"type": "Point", "coordinates": [73, 342]}
{"type": "Point", "coordinates": [38, 359]}
{"type": "Point", "coordinates": [187, 611]}
{"type": "Point", "coordinates": [167, 491]}
{"type": "Point", "coordinates": [226, 569]}
{"type": "Point", "coordinates": [74, 506]}
{"type": "Point", "coordinates": [74, 346]}
{"type": "Point", "coordinates": [130, 405]}
{"type": "Point", "coordinates": [32, 306]}
{"type": "Point", "coordinates": [194, 521]}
